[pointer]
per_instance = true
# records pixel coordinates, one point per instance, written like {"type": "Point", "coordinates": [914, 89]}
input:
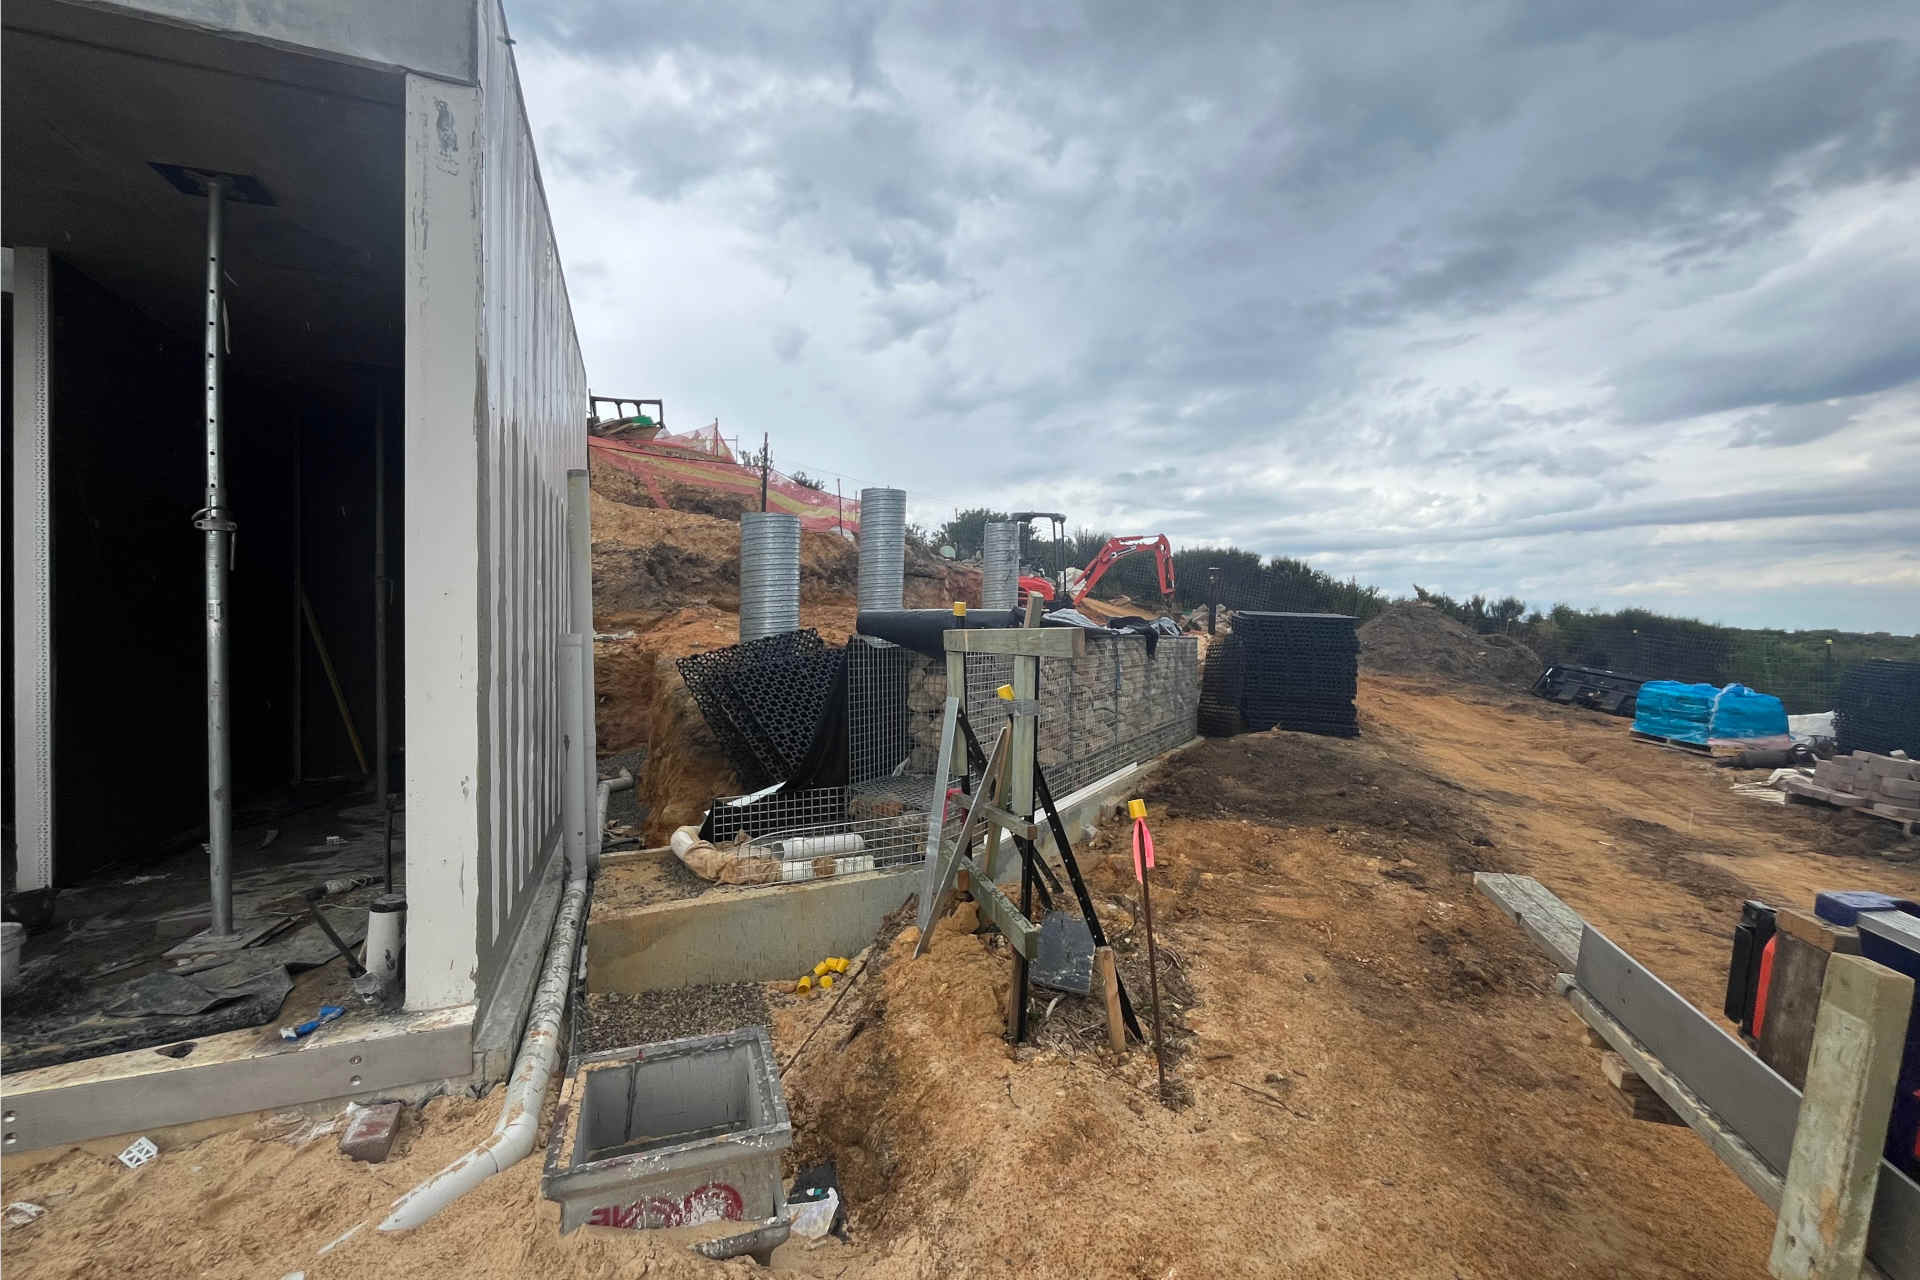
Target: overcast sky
{"type": "Point", "coordinates": [1604, 301]}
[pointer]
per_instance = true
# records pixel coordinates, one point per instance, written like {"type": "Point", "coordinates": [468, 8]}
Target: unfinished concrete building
{"type": "Point", "coordinates": [342, 198]}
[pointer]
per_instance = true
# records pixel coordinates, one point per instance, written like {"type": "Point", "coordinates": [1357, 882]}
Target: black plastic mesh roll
{"type": "Point", "coordinates": [763, 700]}
{"type": "Point", "coordinates": [1878, 708]}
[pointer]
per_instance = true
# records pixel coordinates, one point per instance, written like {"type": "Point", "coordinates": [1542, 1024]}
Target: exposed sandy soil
{"type": "Point", "coordinates": [647, 562]}
{"type": "Point", "coordinates": [1411, 639]}
{"type": "Point", "coordinates": [1647, 842]}
{"type": "Point", "coordinates": [1377, 1079]}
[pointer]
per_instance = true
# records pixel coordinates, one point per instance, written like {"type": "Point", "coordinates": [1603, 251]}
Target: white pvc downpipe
{"type": "Point", "coordinates": [513, 1133]}
{"type": "Point", "coordinates": [623, 781]}
{"type": "Point", "coordinates": [576, 772]}
{"type": "Point", "coordinates": [580, 612]}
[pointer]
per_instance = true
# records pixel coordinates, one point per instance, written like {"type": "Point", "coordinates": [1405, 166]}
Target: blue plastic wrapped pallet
{"type": "Point", "coordinates": [1680, 712]}
{"type": "Point", "coordinates": [1744, 717]}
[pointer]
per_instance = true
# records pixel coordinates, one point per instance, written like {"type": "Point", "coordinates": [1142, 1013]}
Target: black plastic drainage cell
{"type": "Point", "coordinates": [680, 1134]}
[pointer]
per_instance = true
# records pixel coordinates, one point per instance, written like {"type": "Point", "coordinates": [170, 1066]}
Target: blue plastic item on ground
{"type": "Point", "coordinates": [1741, 714]}
{"type": "Point", "coordinates": [1842, 907]}
{"type": "Point", "coordinates": [1669, 709]}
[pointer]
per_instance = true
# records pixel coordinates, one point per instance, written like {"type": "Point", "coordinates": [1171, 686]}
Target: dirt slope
{"type": "Point", "coordinates": [1411, 639]}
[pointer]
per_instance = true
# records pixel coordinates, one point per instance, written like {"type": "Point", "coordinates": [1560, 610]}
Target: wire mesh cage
{"type": "Point", "coordinates": [1118, 704]}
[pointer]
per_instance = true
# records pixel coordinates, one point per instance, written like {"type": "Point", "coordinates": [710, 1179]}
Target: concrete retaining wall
{"type": "Point", "coordinates": [770, 932]}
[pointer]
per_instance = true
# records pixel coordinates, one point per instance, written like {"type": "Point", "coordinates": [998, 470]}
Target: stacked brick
{"type": "Point", "coordinates": [1886, 786]}
{"type": "Point", "coordinates": [1112, 706]}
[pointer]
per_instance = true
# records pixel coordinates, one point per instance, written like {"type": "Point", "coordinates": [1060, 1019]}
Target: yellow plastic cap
{"type": "Point", "coordinates": [826, 983]}
{"type": "Point", "coordinates": [823, 967]}
{"type": "Point", "coordinates": [959, 608]}
{"type": "Point", "coordinates": [1136, 808]}
{"type": "Point", "coordinates": [804, 984]}
{"type": "Point", "coordinates": [1004, 693]}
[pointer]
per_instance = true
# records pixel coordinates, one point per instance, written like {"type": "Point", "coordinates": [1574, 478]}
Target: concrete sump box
{"type": "Point", "coordinates": [682, 1134]}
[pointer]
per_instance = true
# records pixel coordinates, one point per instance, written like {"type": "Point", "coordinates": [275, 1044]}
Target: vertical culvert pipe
{"type": "Point", "coordinates": [883, 548]}
{"type": "Point", "coordinates": [1000, 565]}
{"type": "Point", "coordinates": [769, 573]}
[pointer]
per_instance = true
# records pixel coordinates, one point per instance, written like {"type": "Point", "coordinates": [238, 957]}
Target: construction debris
{"type": "Point", "coordinates": [1883, 786]}
{"type": "Point", "coordinates": [370, 1132]}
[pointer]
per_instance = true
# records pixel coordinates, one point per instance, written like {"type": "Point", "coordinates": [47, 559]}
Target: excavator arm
{"type": "Point", "coordinates": [1118, 549]}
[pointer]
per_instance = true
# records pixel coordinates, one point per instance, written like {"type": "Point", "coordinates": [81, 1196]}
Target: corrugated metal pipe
{"type": "Point", "coordinates": [513, 1133]}
{"type": "Point", "coordinates": [1000, 565]}
{"type": "Point", "coordinates": [883, 548]}
{"type": "Point", "coordinates": [769, 574]}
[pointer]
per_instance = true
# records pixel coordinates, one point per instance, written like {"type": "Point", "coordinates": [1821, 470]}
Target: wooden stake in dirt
{"type": "Point", "coordinates": [1109, 979]}
{"type": "Point", "coordinates": [1143, 863]}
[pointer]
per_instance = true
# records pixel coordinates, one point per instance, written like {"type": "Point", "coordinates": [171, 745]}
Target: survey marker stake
{"type": "Point", "coordinates": [1142, 864]}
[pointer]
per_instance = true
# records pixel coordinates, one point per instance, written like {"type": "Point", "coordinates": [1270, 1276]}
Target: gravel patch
{"type": "Point", "coordinates": [616, 1020]}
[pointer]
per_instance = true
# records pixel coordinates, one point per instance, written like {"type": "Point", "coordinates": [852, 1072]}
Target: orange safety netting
{"type": "Point", "coordinates": [701, 460]}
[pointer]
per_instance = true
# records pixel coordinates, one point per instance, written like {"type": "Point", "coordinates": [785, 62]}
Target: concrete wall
{"type": "Point", "coordinates": [434, 37]}
{"type": "Point", "coordinates": [496, 407]}
{"type": "Point", "coordinates": [771, 932]}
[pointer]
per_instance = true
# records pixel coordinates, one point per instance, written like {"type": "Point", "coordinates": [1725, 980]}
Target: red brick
{"type": "Point", "coordinates": [369, 1134]}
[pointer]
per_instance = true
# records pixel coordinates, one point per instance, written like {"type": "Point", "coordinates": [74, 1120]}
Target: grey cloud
{"type": "Point", "coordinates": [1882, 494]}
{"type": "Point", "coordinates": [1848, 329]}
{"type": "Point", "coordinates": [1552, 21]}
{"type": "Point", "coordinates": [788, 343]}
{"type": "Point", "coordinates": [1139, 246]}
{"type": "Point", "coordinates": [1790, 424]}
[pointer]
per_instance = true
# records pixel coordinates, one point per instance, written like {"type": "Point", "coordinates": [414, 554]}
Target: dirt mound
{"type": "Point", "coordinates": [1351, 782]}
{"type": "Point", "coordinates": [1358, 1012]}
{"type": "Point", "coordinates": [932, 582]}
{"type": "Point", "coordinates": [686, 768]}
{"type": "Point", "coordinates": [648, 562]}
{"type": "Point", "coordinates": [1409, 639]}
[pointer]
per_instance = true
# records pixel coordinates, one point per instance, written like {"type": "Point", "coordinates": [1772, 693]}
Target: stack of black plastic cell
{"type": "Point", "coordinates": [1223, 678]}
{"type": "Point", "coordinates": [1301, 670]}
{"type": "Point", "coordinates": [1878, 708]}
{"type": "Point", "coordinates": [763, 700]}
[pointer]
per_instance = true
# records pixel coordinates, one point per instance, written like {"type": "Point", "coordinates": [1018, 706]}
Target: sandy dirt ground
{"type": "Point", "coordinates": [1373, 1073]}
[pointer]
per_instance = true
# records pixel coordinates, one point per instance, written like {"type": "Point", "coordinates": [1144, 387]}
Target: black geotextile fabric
{"type": "Point", "coordinates": [766, 701]}
{"type": "Point", "coordinates": [1299, 671]}
{"type": "Point", "coordinates": [1878, 708]}
{"type": "Point", "coordinates": [1223, 678]}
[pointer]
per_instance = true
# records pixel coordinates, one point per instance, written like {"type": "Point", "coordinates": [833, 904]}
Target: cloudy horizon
{"type": "Point", "coordinates": [1605, 303]}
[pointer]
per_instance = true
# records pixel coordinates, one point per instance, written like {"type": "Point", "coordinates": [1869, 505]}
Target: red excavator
{"type": "Point", "coordinates": [1077, 584]}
